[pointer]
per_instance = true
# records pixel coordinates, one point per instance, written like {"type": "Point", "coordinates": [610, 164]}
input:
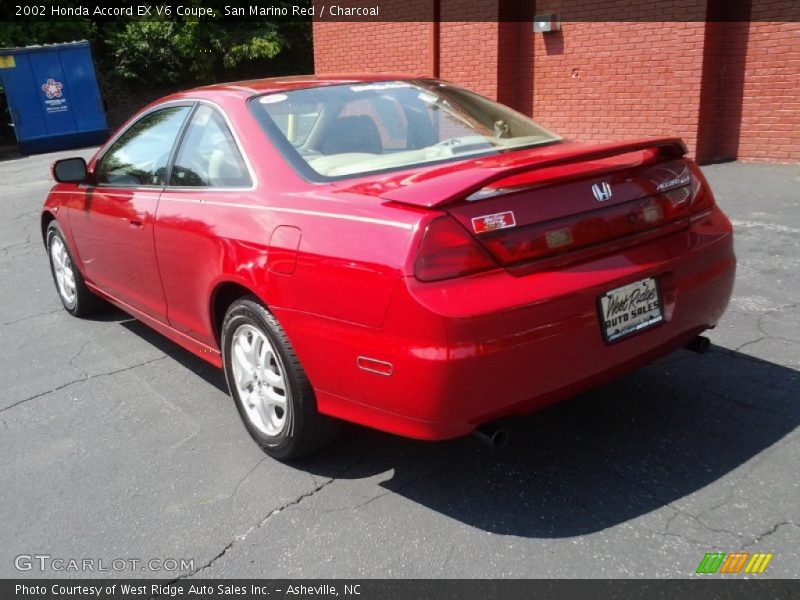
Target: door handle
{"type": "Point", "coordinates": [136, 224]}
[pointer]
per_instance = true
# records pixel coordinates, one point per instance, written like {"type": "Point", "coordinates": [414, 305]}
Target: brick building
{"type": "Point", "coordinates": [722, 74]}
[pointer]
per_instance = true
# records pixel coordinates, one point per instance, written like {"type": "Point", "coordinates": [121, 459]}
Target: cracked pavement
{"type": "Point", "coordinates": [116, 443]}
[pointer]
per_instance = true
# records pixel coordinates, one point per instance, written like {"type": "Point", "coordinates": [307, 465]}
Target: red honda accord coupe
{"type": "Point", "coordinates": [396, 252]}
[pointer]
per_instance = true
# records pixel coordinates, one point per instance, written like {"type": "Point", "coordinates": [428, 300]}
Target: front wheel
{"type": "Point", "coordinates": [72, 290]}
{"type": "Point", "coordinates": [268, 384]}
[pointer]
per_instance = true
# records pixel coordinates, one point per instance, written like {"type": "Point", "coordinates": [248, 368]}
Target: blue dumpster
{"type": "Point", "coordinates": [53, 96]}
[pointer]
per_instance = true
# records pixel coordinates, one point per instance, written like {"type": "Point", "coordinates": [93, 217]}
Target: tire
{"type": "Point", "coordinates": [268, 384]}
{"type": "Point", "coordinates": [75, 296]}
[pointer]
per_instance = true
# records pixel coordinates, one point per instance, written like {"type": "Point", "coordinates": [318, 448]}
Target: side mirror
{"type": "Point", "coordinates": [69, 170]}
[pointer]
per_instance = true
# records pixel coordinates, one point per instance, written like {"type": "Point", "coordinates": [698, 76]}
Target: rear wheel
{"type": "Point", "coordinates": [268, 384]}
{"type": "Point", "coordinates": [72, 290]}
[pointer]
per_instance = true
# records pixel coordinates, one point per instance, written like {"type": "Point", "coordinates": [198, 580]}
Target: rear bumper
{"type": "Point", "coordinates": [477, 348]}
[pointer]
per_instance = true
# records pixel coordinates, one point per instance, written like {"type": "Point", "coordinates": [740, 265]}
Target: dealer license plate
{"type": "Point", "coordinates": [630, 308]}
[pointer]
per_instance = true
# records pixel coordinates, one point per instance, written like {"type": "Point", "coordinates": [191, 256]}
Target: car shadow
{"type": "Point", "coordinates": [597, 460]}
{"type": "Point", "coordinates": [201, 368]}
{"type": "Point", "coordinates": [600, 459]}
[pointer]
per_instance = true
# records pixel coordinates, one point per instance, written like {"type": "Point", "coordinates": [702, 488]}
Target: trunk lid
{"type": "Point", "coordinates": [541, 208]}
{"type": "Point", "coordinates": [554, 217]}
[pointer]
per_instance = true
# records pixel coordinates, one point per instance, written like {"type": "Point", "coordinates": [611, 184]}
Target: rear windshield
{"type": "Point", "coordinates": [353, 129]}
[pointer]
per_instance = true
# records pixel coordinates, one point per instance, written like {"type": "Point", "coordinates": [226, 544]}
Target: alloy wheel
{"type": "Point", "coordinates": [260, 379]}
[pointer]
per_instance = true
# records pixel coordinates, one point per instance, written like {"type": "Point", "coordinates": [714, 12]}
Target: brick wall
{"type": "Point", "coordinates": [470, 56]}
{"type": "Point", "coordinates": [361, 47]}
{"type": "Point", "coordinates": [729, 89]}
{"type": "Point", "coordinates": [610, 81]}
{"type": "Point", "coordinates": [395, 46]}
{"type": "Point", "coordinates": [770, 105]}
{"type": "Point", "coordinates": [468, 49]}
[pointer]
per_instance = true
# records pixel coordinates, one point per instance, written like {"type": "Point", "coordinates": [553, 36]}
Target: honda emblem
{"type": "Point", "coordinates": [602, 191]}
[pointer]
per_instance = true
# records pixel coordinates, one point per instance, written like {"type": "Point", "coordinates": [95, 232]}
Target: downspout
{"type": "Point", "coordinates": [434, 40]}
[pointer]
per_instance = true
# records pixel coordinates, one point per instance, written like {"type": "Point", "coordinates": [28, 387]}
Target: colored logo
{"type": "Point", "coordinates": [735, 562]}
{"type": "Point", "coordinates": [486, 223]}
{"type": "Point", "coordinates": [52, 88]}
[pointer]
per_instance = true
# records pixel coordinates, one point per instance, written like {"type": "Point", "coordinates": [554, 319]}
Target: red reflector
{"type": "Point", "coordinates": [373, 365]}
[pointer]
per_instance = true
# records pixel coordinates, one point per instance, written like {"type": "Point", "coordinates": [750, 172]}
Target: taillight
{"type": "Point", "coordinates": [572, 233]}
{"type": "Point", "coordinates": [701, 197]}
{"type": "Point", "coordinates": [692, 197]}
{"type": "Point", "coordinates": [448, 250]}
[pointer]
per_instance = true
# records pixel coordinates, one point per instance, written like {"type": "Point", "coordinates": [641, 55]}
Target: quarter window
{"type": "Point", "coordinates": [140, 156]}
{"type": "Point", "coordinates": [208, 155]}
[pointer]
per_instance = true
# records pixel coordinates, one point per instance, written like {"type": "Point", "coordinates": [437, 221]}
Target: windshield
{"type": "Point", "coordinates": [353, 129]}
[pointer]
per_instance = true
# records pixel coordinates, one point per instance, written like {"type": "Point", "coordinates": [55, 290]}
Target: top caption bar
{"type": "Point", "coordinates": [519, 11]}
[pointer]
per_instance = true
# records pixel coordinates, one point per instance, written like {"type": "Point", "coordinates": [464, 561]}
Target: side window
{"type": "Point", "coordinates": [140, 155]}
{"type": "Point", "coordinates": [208, 155]}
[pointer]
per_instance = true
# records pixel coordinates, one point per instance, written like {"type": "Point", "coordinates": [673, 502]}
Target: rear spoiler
{"type": "Point", "coordinates": [443, 184]}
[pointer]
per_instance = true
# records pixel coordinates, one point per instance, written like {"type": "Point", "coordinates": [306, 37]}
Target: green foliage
{"type": "Point", "coordinates": [172, 51]}
{"type": "Point", "coordinates": [168, 49]}
{"type": "Point", "coordinates": [40, 30]}
{"type": "Point", "coordinates": [20, 33]}
{"type": "Point", "coordinates": [144, 50]}
{"type": "Point", "coordinates": [261, 46]}
{"type": "Point", "coordinates": [175, 49]}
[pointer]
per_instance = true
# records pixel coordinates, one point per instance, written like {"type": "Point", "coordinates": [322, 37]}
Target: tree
{"type": "Point", "coordinates": [138, 60]}
{"type": "Point", "coordinates": [27, 33]}
{"type": "Point", "coordinates": [170, 51]}
{"type": "Point", "coordinates": [171, 48]}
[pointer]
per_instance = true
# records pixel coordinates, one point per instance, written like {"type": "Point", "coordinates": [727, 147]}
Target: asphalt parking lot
{"type": "Point", "coordinates": [115, 443]}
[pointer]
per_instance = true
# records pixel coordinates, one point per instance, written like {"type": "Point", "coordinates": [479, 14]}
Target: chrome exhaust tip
{"type": "Point", "coordinates": [491, 435]}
